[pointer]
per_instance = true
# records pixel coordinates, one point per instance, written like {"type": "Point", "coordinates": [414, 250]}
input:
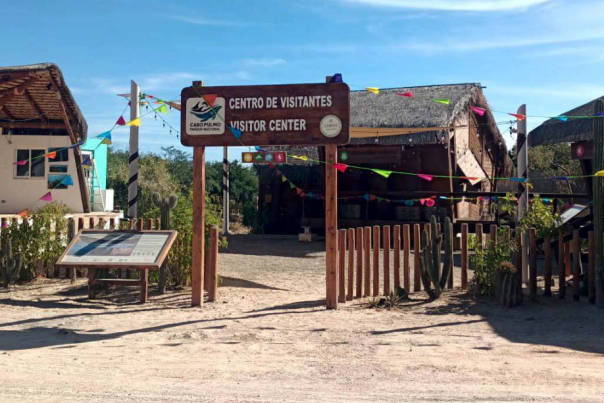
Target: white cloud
{"type": "Point", "coordinates": [264, 62]}
{"type": "Point", "coordinates": [454, 5]}
{"type": "Point", "coordinates": [206, 21]}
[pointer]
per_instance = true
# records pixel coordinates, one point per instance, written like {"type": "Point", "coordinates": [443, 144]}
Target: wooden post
{"type": "Point", "coordinates": [112, 223]}
{"type": "Point", "coordinates": [567, 252]}
{"type": "Point", "coordinates": [416, 247]}
{"type": "Point", "coordinates": [91, 222]}
{"type": "Point", "coordinates": [144, 282]}
{"type": "Point", "coordinates": [464, 256]}
{"type": "Point", "coordinates": [150, 223]}
{"type": "Point", "coordinates": [91, 278]}
{"type": "Point", "coordinates": [376, 260]}
{"type": "Point", "coordinates": [548, 267]}
{"type": "Point", "coordinates": [351, 245]}
{"type": "Point", "coordinates": [342, 266]}
{"type": "Point", "coordinates": [451, 257]}
{"type": "Point", "coordinates": [331, 226]}
{"type": "Point", "coordinates": [386, 259]}
{"type": "Point", "coordinates": [199, 212]}
{"type": "Point", "coordinates": [359, 245]}
{"type": "Point", "coordinates": [71, 231]}
{"type": "Point", "coordinates": [213, 264]}
{"type": "Point", "coordinates": [140, 224]}
{"type": "Point", "coordinates": [367, 261]}
{"type": "Point", "coordinates": [406, 255]}
{"type": "Point", "coordinates": [561, 267]}
{"type": "Point", "coordinates": [493, 235]}
{"type": "Point", "coordinates": [591, 269]}
{"type": "Point", "coordinates": [397, 256]}
{"type": "Point", "coordinates": [479, 237]}
{"type": "Point", "coordinates": [576, 265]}
{"type": "Point", "coordinates": [523, 190]}
{"type": "Point", "coordinates": [532, 263]}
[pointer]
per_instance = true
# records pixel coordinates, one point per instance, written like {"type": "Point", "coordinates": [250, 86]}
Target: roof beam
{"type": "Point", "coordinates": [7, 113]}
{"type": "Point", "coordinates": [18, 90]}
{"type": "Point", "coordinates": [35, 106]}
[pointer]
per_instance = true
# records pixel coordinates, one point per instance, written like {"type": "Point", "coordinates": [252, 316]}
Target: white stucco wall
{"type": "Point", "coordinates": [19, 194]}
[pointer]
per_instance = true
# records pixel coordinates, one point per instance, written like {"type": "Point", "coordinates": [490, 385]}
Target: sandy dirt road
{"type": "Point", "coordinates": [269, 339]}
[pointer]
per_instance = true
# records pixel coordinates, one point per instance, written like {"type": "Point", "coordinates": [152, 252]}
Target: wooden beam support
{"type": "Point", "coordinates": [9, 115]}
{"type": "Point", "coordinates": [199, 212]}
{"type": "Point", "coordinates": [19, 89]}
{"type": "Point", "coordinates": [34, 125]}
{"type": "Point", "coordinates": [35, 106]}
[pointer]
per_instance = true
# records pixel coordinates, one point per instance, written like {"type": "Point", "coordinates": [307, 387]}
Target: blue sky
{"type": "Point", "coordinates": [548, 54]}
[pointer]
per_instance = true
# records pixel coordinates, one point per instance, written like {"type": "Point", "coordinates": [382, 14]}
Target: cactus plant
{"type": "Point", "coordinates": [165, 205]}
{"type": "Point", "coordinates": [9, 266]}
{"type": "Point", "coordinates": [432, 274]}
{"type": "Point", "coordinates": [509, 287]}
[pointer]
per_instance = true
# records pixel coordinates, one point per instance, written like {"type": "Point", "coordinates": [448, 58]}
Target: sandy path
{"type": "Point", "coordinates": [269, 339]}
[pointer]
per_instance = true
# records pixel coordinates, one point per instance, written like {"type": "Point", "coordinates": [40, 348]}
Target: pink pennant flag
{"type": "Point", "coordinates": [430, 202]}
{"type": "Point", "coordinates": [478, 110]}
{"type": "Point", "coordinates": [518, 116]}
{"type": "Point", "coordinates": [47, 197]}
{"type": "Point", "coordinates": [121, 121]}
{"type": "Point", "coordinates": [271, 165]}
{"type": "Point", "coordinates": [340, 167]}
{"type": "Point", "coordinates": [426, 177]}
{"type": "Point", "coordinates": [20, 162]}
{"type": "Point", "coordinates": [422, 201]}
{"type": "Point", "coordinates": [210, 98]}
{"type": "Point", "coordinates": [405, 94]}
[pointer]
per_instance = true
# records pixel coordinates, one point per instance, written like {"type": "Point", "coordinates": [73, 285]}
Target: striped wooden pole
{"type": "Point", "coordinates": [367, 261]}
{"type": "Point", "coordinates": [376, 260]}
{"type": "Point", "coordinates": [406, 255]}
{"type": "Point", "coordinates": [522, 158]}
{"type": "Point", "coordinates": [359, 245]}
{"type": "Point", "coordinates": [351, 245]}
{"type": "Point", "coordinates": [226, 167]}
{"type": "Point", "coordinates": [342, 265]}
{"type": "Point", "coordinates": [133, 157]}
{"type": "Point", "coordinates": [396, 264]}
{"type": "Point", "coordinates": [416, 247]}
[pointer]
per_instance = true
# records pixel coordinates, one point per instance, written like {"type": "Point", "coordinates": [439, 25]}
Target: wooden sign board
{"type": "Point", "coordinates": [298, 114]}
{"type": "Point", "coordinates": [118, 249]}
{"type": "Point", "coordinates": [264, 157]}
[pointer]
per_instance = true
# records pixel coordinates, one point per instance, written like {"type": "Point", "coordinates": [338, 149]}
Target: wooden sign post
{"type": "Point", "coordinates": [298, 114]}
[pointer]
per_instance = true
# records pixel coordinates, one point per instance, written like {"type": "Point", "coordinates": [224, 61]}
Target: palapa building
{"type": "Point", "coordinates": [39, 123]}
{"type": "Point", "coordinates": [397, 133]}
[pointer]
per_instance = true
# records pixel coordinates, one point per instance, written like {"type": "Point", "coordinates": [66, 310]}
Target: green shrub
{"type": "Point", "coordinates": [487, 261]}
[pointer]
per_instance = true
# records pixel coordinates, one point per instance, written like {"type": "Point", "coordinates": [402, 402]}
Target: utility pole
{"type": "Point", "coordinates": [133, 159]}
{"type": "Point", "coordinates": [598, 133]}
{"type": "Point", "coordinates": [523, 194]}
{"type": "Point", "coordinates": [226, 166]}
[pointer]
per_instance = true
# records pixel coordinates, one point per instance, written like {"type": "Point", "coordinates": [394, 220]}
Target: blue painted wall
{"type": "Point", "coordinates": [99, 153]}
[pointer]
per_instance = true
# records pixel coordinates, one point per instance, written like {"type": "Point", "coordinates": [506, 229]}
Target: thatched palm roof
{"type": "Point", "coordinates": [555, 131]}
{"type": "Point", "coordinates": [28, 99]}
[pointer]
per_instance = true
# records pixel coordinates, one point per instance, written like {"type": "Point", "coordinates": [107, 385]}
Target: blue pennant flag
{"type": "Point", "coordinates": [366, 196]}
{"type": "Point", "coordinates": [67, 181]}
{"type": "Point", "coordinates": [599, 114]}
{"type": "Point", "coordinates": [521, 180]}
{"type": "Point", "coordinates": [562, 118]}
{"type": "Point", "coordinates": [495, 198]}
{"type": "Point", "coordinates": [443, 197]}
{"type": "Point", "coordinates": [546, 200]}
{"type": "Point", "coordinates": [336, 78]}
{"type": "Point", "coordinates": [106, 135]}
{"type": "Point", "coordinates": [409, 203]}
{"type": "Point", "coordinates": [87, 162]}
{"type": "Point", "coordinates": [258, 148]}
{"type": "Point", "coordinates": [236, 132]}
{"type": "Point", "coordinates": [561, 178]}
{"type": "Point", "coordinates": [76, 144]}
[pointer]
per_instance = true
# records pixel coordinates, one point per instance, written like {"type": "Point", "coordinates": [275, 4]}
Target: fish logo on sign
{"type": "Point", "coordinates": [205, 119]}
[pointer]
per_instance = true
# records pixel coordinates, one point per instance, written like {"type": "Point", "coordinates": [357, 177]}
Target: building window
{"type": "Point", "coordinates": [62, 154]}
{"type": "Point", "coordinates": [34, 164]}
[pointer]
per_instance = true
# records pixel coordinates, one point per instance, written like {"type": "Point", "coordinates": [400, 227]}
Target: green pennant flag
{"type": "Point", "coordinates": [443, 101]}
{"type": "Point", "coordinates": [291, 185]}
{"type": "Point", "coordinates": [163, 109]}
{"type": "Point", "coordinates": [382, 172]}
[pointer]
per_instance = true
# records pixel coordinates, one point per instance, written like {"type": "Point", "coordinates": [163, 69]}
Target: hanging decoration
{"type": "Point", "coordinates": [134, 122]}
{"type": "Point", "coordinates": [405, 94]}
{"type": "Point", "coordinates": [374, 90]}
{"type": "Point", "coordinates": [47, 197]}
{"type": "Point", "coordinates": [478, 110]}
{"type": "Point", "coordinates": [443, 101]}
{"type": "Point", "coordinates": [121, 121]}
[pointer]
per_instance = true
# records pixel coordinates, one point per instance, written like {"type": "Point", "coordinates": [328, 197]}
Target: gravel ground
{"type": "Point", "coordinates": [268, 338]}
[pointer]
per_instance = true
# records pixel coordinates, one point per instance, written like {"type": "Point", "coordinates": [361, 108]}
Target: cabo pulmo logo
{"type": "Point", "coordinates": [203, 119]}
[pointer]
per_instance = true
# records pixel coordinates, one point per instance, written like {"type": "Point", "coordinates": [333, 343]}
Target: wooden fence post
{"type": "Point", "coordinates": [416, 246]}
{"type": "Point", "coordinates": [367, 261]}
{"type": "Point", "coordinates": [406, 255]}
{"type": "Point", "coordinates": [479, 237]}
{"type": "Point", "coordinates": [386, 260]}
{"type": "Point", "coordinates": [561, 267]}
{"type": "Point", "coordinates": [112, 223]}
{"type": "Point", "coordinates": [464, 256]}
{"type": "Point", "coordinates": [533, 263]}
{"type": "Point", "coordinates": [591, 269]}
{"type": "Point", "coordinates": [451, 256]}
{"type": "Point", "coordinates": [548, 267]}
{"type": "Point", "coordinates": [376, 260]}
{"type": "Point", "coordinates": [213, 264]}
{"type": "Point", "coordinates": [331, 227]}
{"type": "Point", "coordinates": [396, 239]}
{"type": "Point", "coordinates": [140, 224]}
{"type": "Point", "coordinates": [199, 212]}
{"type": "Point", "coordinates": [576, 265]}
{"type": "Point", "coordinates": [71, 231]}
{"type": "Point", "coordinates": [91, 222]}
{"type": "Point", "coordinates": [351, 246]}
{"type": "Point", "coordinates": [342, 265]}
{"type": "Point", "coordinates": [359, 245]}
{"type": "Point", "coordinates": [150, 224]}
{"type": "Point", "coordinates": [567, 261]}
{"type": "Point", "coordinates": [493, 235]}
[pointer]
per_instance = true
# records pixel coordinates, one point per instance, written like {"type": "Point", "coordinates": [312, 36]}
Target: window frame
{"type": "Point", "coordinates": [29, 164]}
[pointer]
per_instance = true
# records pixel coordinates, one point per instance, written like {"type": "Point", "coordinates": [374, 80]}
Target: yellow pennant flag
{"type": "Point", "coordinates": [134, 122]}
{"type": "Point", "coordinates": [375, 90]}
{"type": "Point", "coordinates": [599, 173]}
{"type": "Point", "coordinates": [382, 172]}
{"type": "Point", "coordinates": [283, 178]}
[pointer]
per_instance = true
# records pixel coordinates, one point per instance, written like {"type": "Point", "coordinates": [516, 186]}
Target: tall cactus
{"type": "Point", "coordinates": [432, 274]}
{"type": "Point", "coordinates": [598, 133]}
{"type": "Point", "coordinates": [9, 266]}
{"type": "Point", "coordinates": [165, 205]}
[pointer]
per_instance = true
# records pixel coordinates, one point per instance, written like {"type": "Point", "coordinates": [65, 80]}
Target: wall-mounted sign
{"type": "Point", "coordinates": [299, 114]}
{"type": "Point", "coordinates": [582, 150]}
{"type": "Point", "coordinates": [268, 157]}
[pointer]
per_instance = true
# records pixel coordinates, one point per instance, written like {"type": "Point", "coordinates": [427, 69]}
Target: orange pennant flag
{"type": "Point", "coordinates": [210, 98]}
{"type": "Point", "coordinates": [518, 116]}
{"type": "Point", "coordinates": [24, 213]}
{"type": "Point", "coordinates": [52, 155]}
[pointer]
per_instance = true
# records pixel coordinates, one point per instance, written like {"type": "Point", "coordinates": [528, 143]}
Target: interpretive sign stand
{"type": "Point", "coordinates": [298, 114]}
{"type": "Point", "coordinates": [106, 249]}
